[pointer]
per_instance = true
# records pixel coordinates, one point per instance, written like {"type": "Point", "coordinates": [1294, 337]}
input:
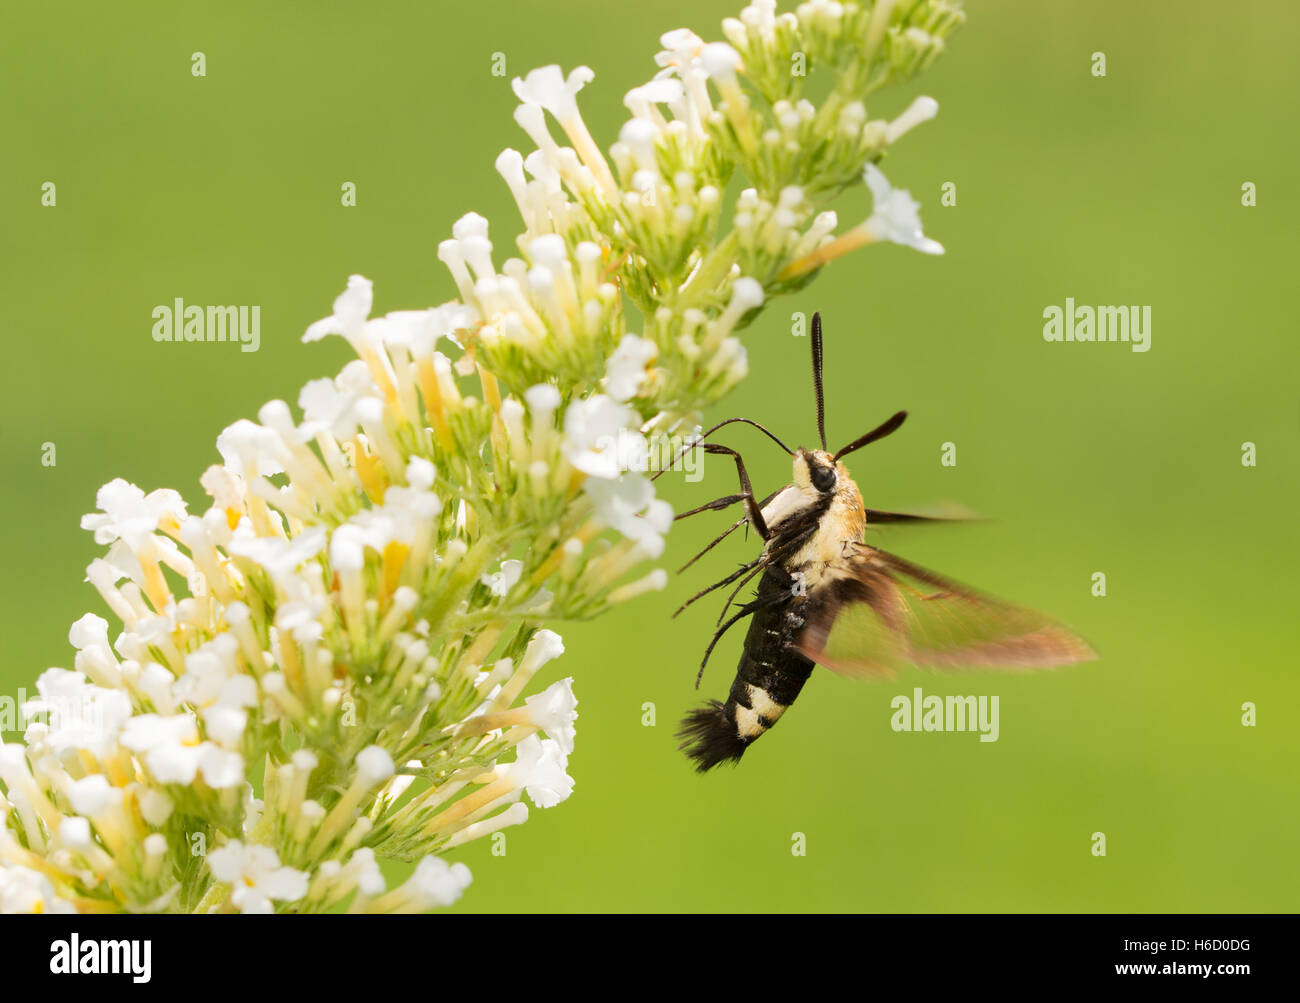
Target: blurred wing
{"type": "Point", "coordinates": [941, 513]}
{"type": "Point", "coordinates": [880, 612]}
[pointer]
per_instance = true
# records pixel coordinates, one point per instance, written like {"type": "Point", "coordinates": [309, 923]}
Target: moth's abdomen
{"type": "Point", "coordinates": [770, 675]}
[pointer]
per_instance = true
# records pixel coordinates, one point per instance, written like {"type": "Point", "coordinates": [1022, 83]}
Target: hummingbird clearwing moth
{"type": "Point", "coordinates": [826, 597]}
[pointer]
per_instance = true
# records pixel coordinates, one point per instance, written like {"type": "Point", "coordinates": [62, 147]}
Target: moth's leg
{"type": "Point", "coordinates": [746, 489]}
{"type": "Point", "coordinates": [742, 521]}
{"type": "Point", "coordinates": [736, 591]}
{"type": "Point", "coordinates": [717, 503]}
{"type": "Point", "coordinates": [746, 610]}
{"type": "Point", "coordinates": [752, 566]}
{"type": "Point", "coordinates": [725, 533]}
{"type": "Point", "coordinates": [718, 634]}
{"type": "Point", "coordinates": [774, 569]}
{"type": "Point", "coordinates": [720, 503]}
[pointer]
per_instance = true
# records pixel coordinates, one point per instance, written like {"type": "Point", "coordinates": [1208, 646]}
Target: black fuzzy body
{"type": "Point", "coordinates": [770, 667]}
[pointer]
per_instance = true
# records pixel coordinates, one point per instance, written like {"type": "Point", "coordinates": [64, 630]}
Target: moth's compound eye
{"type": "Point", "coordinates": [823, 478]}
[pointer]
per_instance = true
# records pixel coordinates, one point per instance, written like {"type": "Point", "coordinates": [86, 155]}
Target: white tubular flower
{"type": "Point", "coordinates": [328, 408]}
{"type": "Point", "coordinates": [92, 795]}
{"type": "Point", "coordinates": [680, 47]}
{"type": "Point", "coordinates": [543, 400]}
{"type": "Point", "coordinates": [174, 754]}
{"type": "Point", "coordinates": [541, 771]}
{"type": "Point", "coordinates": [222, 769]}
{"type": "Point", "coordinates": [639, 135]}
{"type": "Point", "coordinates": [599, 438]}
{"type": "Point", "coordinates": [156, 808]}
{"type": "Point", "coordinates": [351, 309]}
{"type": "Point", "coordinates": [554, 710]}
{"type": "Point", "coordinates": [75, 832]}
{"type": "Point", "coordinates": [501, 582]}
{"type": "Point", "coordinates": [280, 558]}
{"type": "Point", "coordinates": [515, 814]}
{"type": "Point", "coordinates": [128, 514]}
{"type": "Point", "coordinates": [226, 726]}
{"type": "Point", "coordinates": [256, 877]}
{"type": "Point", "coordinates": [628, 505]}
{"type": "Point", "coordinates": [895, 215]}
{"type": "Point", "coordinates": [655, 581]}
{"type": "Point", "coordinates": [471, 232]}
{"type": "Point", "coordinates": [760, 16]}
{"type": "Point", "coordinates": [170, 745]}
{"type": "Point", "coordinates": [895, 218]}
{"type": "Point", "coordinates": [89, 636]}
{"type": "Point", "coordinates": [548, 88]}
{"type": "Point", "coordinates": [746, 295]}
{"type": "Point", "coordinates": [921, 110]}
{"type": "Point", "coordinates": [681, 58]}
{"type": "Point", "coordinates": [510, 165]}
{"type": "Point", "coordinates": [434, 885]}
{"type": "Point", "coordinates": [363, 871]}
{"type": "Point", "coordinates": [721, 62]}
{"type": "Point", "coordinates": [374, 765]}
{"type": "Point", "coordinates": [642, 101]}
{"type": "Point", "coordinates": [626, 372]}
{"type": "Point", "coordinates": [545, 646]}
{"type": "Point", "coordinates": [249, 450]}
{"type": "Point", "coordinates": [421, 474]}
{"type": "Point", "coordinates": [23, 890]}
{"type": "Point", "coordinates": [823, 225]}
{"type": "Point", "coordinates": [81, 716]}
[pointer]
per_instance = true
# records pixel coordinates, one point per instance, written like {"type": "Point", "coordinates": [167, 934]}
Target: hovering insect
{"type": "Point", "coordinates": [826, 597]}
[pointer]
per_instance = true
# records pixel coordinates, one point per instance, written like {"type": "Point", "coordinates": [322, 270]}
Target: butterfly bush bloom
{"type": "Point", "coordinates": [328, 663]}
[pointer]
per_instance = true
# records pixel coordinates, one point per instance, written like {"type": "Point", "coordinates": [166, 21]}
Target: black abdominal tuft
{"type": "Point", "coordinates": [709, 736]}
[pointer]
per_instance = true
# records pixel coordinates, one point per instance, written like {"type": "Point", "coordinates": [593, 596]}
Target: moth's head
{"type": "Point", "coordinates": [816, 469]}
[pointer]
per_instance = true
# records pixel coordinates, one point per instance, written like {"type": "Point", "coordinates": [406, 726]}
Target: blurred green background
{"type": "Point", "coordinates": [1125, 189]}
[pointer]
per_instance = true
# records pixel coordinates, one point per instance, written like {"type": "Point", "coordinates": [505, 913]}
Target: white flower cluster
{"type": "Point", "coordinates": [142, 752]}
{"type": "Point", "coordinates": [649, 223]}
{"type": "Point", "coordinates": [327, 666]}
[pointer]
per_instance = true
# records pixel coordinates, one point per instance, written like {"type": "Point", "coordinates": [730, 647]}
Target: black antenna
{"type": "Point", "coordinates": [817, 376]}
{"type": "Point", "coordinates": [885, 428]}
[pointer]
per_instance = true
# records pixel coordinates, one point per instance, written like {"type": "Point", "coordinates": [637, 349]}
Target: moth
{"type": "Point", "coordinates": [826, 597]}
